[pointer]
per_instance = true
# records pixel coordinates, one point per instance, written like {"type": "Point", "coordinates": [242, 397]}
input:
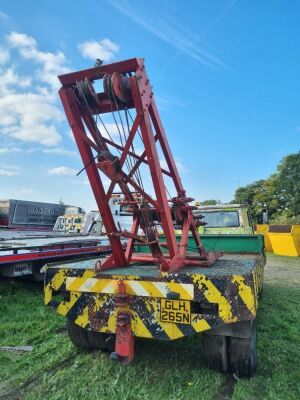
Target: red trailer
{"type": "Point", "coordinates": [27, 255]}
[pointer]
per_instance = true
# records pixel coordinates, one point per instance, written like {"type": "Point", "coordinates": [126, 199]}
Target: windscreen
{"type": "Point", "coordinates": [220, 219]}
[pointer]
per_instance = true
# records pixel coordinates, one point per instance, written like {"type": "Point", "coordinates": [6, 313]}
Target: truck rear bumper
{"type": "Point", "coordinates": [167, 307]}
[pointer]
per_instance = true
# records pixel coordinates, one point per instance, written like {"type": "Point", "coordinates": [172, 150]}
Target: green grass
{"type": "Point", "coordinates": [55, 369]}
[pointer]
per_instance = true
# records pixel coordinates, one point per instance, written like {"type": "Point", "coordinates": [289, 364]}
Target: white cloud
{"type": "Point", "coordinates": [4, 150]}
{"type": "Point", "coordinates": [30, 118]}
{"type": "Point", "coordinates": [85, 181]}
{"type": "Point", "coordinates": [62, 171]}
{"type": "Point", "coordinates": [60, 151]}
{"type": "Point", "coordinates": [9, 171]}
{"type": "Point", "coordinates": [10, 79]}
{"type": "Point", "coordinates": [160, 22]}
{"type": "Point", "coordinates": [21, 40]}
{"type": "Point", "coordinates": [52, 64]}
{"type": "Point", "coordinates": [113, 129]}
{"type": "Point", "coordinates": [27, 191]}
{"type": "Point", "coordinates": [4, 55]}
{"type": "Point", "coordinates": [29, 108]}
{"type": "Point", "coordinates": [179, 164]}
{"type": "Point", "coordinates": [104, 49]}
{"type": "Point", "coordinates": [182, 168]}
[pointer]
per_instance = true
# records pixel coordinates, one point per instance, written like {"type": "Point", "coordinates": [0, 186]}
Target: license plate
{"type": "Point", "coordinates": [175, 311]}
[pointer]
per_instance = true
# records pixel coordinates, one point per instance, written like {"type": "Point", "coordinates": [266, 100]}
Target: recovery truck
{"type": "Point", "coordinates": [228, 228]}
{"type": "Point", "coordinates": [230, 219]}
{"type": "Point", "coordinates": [161, 289]}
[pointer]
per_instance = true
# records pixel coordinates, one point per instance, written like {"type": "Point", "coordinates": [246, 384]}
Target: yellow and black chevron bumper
{"type": "Point", "coordinates": [166, 307]}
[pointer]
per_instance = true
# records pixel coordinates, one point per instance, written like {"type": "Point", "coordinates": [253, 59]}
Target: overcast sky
{"type": "Point", "coordinates": [225, 76]}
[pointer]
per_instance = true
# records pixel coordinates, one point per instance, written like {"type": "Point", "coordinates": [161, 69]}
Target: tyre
{"type": "Point", "coordinates": [37, 275]}
{"type": "Point", "coordinates": [86, 339]}
{"type": "Point", "coordinates": [215, 352]}
{"type": "Point", "coordinates": [261, 293]}
{"type": "Point", "coordinates": [243, 353]}
{"type": "Point", "coordinates": [78, 336]}
{"type": "Point", "coordinates": [97, 340]}
{"type": "Point", "coordinates": [101, 341]}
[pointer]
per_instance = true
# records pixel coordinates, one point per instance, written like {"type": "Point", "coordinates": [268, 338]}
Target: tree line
{"type": "Point", "coordinates": [278, 195]}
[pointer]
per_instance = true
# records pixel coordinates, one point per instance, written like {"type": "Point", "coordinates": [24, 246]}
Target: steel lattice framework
{"type": "Point", "coordinates": [127, 87]}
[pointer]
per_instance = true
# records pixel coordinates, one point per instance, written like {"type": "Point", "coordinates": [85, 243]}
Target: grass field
{"type": "Point", "coordinates": [56, 370]}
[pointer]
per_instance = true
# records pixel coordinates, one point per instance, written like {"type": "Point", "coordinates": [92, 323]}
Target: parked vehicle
{"type": "Point", "coordinates": [162, 288]}
{"type": "Point", "coordinates": [225, 219]}
{"type": "Point", "coordinates": [69, 223]}
{"type": "Point", "coordinates": [27, 255]}
{"type": "Point", "coordinates": [29, 215]}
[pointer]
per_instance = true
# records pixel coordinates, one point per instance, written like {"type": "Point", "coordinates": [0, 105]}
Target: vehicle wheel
{"type": "Point", "coordinates": [215, 352]}
{"type": "Point", "coordinates": [243, 353]}
{"type": "Point", "coordinates": [110, 340]}
{"type": "Point", "coordinates": [97, 340]}
{"type": "Point", "coordinates": [261, 293]}
{"type": "Point", "coordinates": [37, 275]}
{"type": "Point", "coordinates": [78, 336]}
{"type": "Point", "coordinates": [102, 341]}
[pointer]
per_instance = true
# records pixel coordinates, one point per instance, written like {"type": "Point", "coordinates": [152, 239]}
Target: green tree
{"type": "Point", "coordinates": [257, 196]}
{"type": "Point", "coordinates": [210, 202]}
{"type": "Point", "coordinates": [288, 176]}
{"type": "Point", "coordinates": [279, 194]}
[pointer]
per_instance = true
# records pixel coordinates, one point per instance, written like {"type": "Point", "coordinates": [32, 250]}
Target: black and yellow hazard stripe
{"type": "Point", "coordinates": [91, 300]}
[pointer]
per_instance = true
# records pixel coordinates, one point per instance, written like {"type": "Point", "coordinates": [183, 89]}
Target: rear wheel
{"type": "Point", "coordinates": [78, 336]}
{"type": "Point", "coordinates": [37, 275]}
{"type": "Point", "coordinates": [87, 339]}
{"type": "Point", "coordinates": [243, 354]}
{"type": "Point", "coordinates": [100, 341]}
{"type": "Point", "coordinates": [230, 353]}
{"type": "Point", "coordinates": [215, 352]}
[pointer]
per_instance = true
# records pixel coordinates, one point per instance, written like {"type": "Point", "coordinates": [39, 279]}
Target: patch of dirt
{"type": "Point", "coordinates": [282, 271]}
{"type": "Point", "coordinates": [226, 390]}
{"type": "Point", "coordinates": [20, 392]}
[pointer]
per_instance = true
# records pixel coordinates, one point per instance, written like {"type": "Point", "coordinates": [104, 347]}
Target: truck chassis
{"type": "Point", "coordinates": [154, 289]}
{"type": "Point", "coordinates": [108, 309]}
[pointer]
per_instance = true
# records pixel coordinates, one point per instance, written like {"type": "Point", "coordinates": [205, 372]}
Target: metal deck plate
{"type": "Point", "coordinates": [23, 243]}
{"type": "Point", "coordinates": [226, 265]}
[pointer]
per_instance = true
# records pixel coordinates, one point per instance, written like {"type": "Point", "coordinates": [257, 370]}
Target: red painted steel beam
{"type": "Point", "coordinates": [187, 262]}
{"type": "Point", "coordinates": [142, 192]}
{"type": "Point", "coordinates": [35, 256]}
{"type": "Point", "coordinates": [155, 168]}
{"type": "Point", "coordinates": [120, 87]}
{"type": "Point", "coordinates": [165, 147]}
{"type": "Point", "coordinates": [107, 106]}
{"type": "Point", "coordinates": [73, 114]}
{"type": "Point", "coordinates": [140, 159]}
{"type": "Point", "coordinates": [98, 72]}
{"type": "Point", "coordinates": [125, 152]}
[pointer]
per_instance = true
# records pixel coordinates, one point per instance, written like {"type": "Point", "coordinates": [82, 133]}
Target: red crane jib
{"type": "Point", "coordinates": [126, 88]}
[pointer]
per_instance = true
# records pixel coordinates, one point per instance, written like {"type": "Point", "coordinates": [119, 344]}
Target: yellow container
{"type": "Point", "coordinates": [262, 229]}
{"type": "Point", "coordinates": [285, 239]}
